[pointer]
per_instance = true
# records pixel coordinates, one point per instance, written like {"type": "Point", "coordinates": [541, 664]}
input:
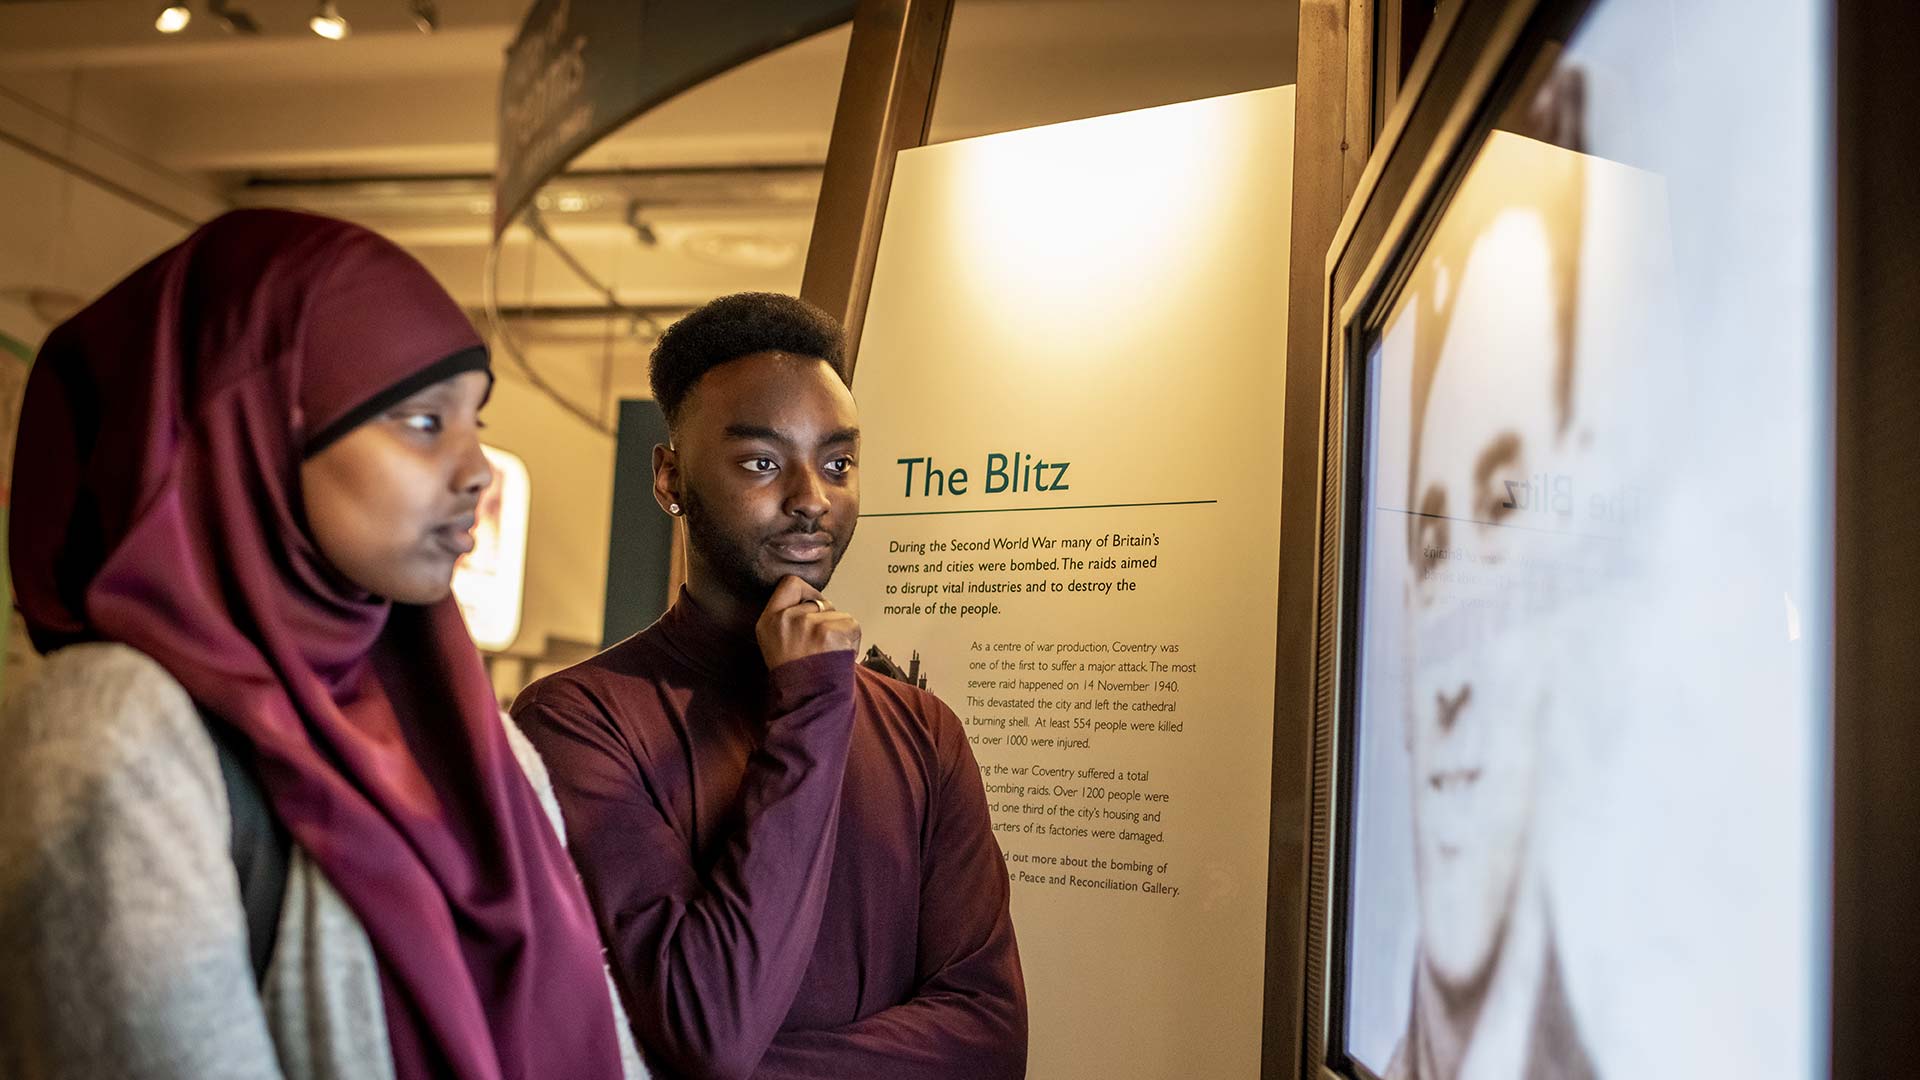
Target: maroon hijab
{"type": "Point", "coordinates": [156, 503]}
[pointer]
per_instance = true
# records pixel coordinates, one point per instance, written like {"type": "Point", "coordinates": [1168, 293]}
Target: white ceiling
{"type": "Point", "coordinates": [391, 98]}
{"type": "Point", "coordinates": [395, 128]}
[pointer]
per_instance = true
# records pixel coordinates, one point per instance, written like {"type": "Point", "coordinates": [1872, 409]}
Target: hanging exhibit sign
{"type": "Point", "coordinates": [1070, 385]}
{"type": "Point", "coordinates": [579, 69]}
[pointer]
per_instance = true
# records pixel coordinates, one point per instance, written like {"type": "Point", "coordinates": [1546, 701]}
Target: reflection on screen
{"type": "Point", "coordinates": [1589, 774]}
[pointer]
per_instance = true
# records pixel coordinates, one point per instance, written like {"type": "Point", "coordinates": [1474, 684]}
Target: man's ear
{"type": "Point", "coordinates": [666, 479]}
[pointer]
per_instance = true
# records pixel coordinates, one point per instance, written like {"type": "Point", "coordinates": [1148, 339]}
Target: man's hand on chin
{"type": "Point", "coordinates": [799, 622]}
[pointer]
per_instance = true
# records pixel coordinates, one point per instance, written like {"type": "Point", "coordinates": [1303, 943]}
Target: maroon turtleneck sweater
{"type": "Point", "coordinates": [793, 870]}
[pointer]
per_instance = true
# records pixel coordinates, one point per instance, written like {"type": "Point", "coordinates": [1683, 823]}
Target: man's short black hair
{"type": "Point", "coordinates": [736, 326]}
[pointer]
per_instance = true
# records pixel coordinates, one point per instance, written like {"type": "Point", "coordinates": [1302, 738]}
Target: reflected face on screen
{"type": "Point", "coordinates": [1486, 500]}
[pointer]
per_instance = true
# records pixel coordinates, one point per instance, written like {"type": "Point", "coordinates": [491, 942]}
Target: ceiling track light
{"type": "Point", "coordinates": [329, 23]}
{"type": "Point", "coordinates": [173, 18]}
{"type": "Point", "coordinates": [231, 19]}
{"type": "Point", "coordinates": [426, 15]}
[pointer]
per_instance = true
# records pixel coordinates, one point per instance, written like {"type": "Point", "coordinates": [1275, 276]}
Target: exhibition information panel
{"type": "Point", "coordinates": [1070, 392]}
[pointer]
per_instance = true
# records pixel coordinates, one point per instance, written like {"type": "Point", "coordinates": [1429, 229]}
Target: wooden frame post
{"type": "Point", "coordinates": [886, 105]}
{"type": "Point", "coordinates": [1333, 126]}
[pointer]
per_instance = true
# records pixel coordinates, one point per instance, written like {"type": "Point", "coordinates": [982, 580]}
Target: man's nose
{"type": "Point", "coordinates": [1448, 709]}
{"type": "Point", "coordinates": [807, 498]}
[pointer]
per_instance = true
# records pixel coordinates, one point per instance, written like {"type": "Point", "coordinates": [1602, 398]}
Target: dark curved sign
{"type": "Point", "coordinates": [579, 69]}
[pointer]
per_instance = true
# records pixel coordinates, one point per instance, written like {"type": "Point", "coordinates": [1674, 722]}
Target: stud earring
{"type": "Point", "coordinates": [674, 509]}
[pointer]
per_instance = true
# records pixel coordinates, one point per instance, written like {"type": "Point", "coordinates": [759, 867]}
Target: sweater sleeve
{"type": "Point", "coordinates": [123, 940]}
{"type": "Point", "coordinates": [968, 1018]}
{"type": "Point", "coordinates": [709, 957]}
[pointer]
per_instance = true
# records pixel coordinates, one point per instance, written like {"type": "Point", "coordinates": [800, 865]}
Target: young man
{"type": "Point", "coordinates": [1490, 544]}
{"type": "Point", "coordinates": [790, 855]}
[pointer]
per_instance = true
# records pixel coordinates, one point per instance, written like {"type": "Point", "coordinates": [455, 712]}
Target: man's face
{"type": "Point", "coordinates": [765, 465]}
{"type": "Point", "coordinates": [1488, 496]}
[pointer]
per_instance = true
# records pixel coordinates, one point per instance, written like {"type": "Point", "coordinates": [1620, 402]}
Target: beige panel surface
{"type": "Point", "coordinates": [1108, 294]}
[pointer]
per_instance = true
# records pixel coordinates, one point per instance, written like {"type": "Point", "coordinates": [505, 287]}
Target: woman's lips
{"type": "Point", "coordinates": [455, 536]}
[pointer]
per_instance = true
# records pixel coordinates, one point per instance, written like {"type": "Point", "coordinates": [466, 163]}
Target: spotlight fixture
{"type": "Point", "coordinates": [231, 19]}
{"type": "Point", "coordinates": [173, 18]}
{"type": "Point", "coordinates": [329, 23]}
{"type": "Point", "coordinates": [426, 15]}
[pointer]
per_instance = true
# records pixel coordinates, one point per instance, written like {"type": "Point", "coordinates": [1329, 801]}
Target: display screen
{"type": "Point", "coordinates": [489, 581]}
{"type": "Point", "coordinates": [1588, 801]}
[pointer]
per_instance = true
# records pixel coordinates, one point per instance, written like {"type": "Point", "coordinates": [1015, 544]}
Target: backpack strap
{"type": "Point", "coordinates": [260, 847]}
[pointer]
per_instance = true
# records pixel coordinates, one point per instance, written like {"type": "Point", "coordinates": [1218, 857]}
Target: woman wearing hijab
{"type": "Point", "coordinates": [242, 479]}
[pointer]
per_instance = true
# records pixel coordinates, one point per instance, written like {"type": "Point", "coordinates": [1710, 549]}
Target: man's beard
{"type": "Point", "coordinates": [732, 557]}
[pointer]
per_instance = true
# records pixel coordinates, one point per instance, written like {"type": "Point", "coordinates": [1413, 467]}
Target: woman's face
{"type": "Point", "coordinates": [391, 503]}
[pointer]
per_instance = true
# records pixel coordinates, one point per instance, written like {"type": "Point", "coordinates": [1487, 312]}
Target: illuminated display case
{"type": "Point", "coordinates": [490, 580]}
